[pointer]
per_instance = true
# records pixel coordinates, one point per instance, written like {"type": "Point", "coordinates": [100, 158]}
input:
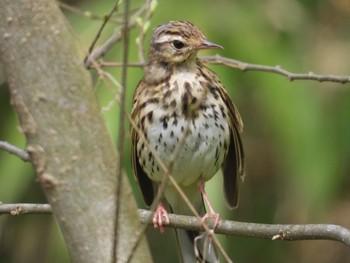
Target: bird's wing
{"type": "Point", "coordinates": [146, 185]}
{"type": "Point", "coordinates": [233, 166]}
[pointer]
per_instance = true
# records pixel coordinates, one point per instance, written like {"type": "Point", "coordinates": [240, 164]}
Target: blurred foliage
{"type": "Point", "coordinates": [296, 133]}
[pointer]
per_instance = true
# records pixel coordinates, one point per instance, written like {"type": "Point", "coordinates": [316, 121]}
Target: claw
{"type": "Point", "coordinates": [213, 215]}
{"type": "Point", "coordinates": [160, 217]}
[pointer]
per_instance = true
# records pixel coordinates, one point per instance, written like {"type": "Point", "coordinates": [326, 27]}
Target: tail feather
{"type": "Point", "coordinates": [188, 247]}
{"type": "Point", "coordinates": [191, 251]}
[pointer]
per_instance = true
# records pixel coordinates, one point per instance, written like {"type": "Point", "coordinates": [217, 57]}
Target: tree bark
{"type": "Point", "coordinates": [68, 142]}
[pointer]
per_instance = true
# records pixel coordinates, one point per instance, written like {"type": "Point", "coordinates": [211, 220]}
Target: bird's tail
{"type": "Point", "coordinates": [195, 247]}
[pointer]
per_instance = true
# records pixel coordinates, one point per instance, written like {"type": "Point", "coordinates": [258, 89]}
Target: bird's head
{"type": "Point", "coordinates": [177, 41]}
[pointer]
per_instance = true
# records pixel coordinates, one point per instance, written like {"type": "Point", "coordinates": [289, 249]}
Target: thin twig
{"type": "Point", "coordinates": [267, 231]}
{"type": "Point", "coordinates": [168, 176]}
{"type": "Point", "coordinates": [119, 64]}
{"type": "Point", "coordinates": [87, 14]}
{"type": "Point", "coordinates": [243, 66]}
{"type": "Point", "coordinates": [110, 83]}
{"type": "Point", "coordinates": [156, 200]}
{"type": "Point", "coordinates": [15, 151]}
{"type": "Point", "coordinates": [144, 25]}
{"type": "Point", "coordinates": [122, 97]}
{"type": "Point", "coordinates": [117, 36]}
{"type": "Point", "coordinates": [93, 43]}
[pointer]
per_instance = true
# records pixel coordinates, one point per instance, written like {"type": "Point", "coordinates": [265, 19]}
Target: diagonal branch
{"type": "Point", "coordinates": [116, 37]}
{"type": "Point", "coordinates": [97, 36]}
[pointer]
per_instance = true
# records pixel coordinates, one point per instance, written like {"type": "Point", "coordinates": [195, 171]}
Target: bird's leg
{"type": "Point", "coordinates": [158, 216]}
{"type": "Point", "coordinates": [211, 213]}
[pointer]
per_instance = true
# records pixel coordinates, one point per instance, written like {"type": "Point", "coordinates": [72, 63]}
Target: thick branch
{"type": "Point", "coordinates": [67, 140]}
{"type": "Point", "coordinates": [267, 231]}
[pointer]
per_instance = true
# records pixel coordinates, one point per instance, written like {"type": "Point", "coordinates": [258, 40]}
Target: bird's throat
{"type": "Point", "coordinates": [156, 72]}
{"type": "Point", "coordinates": [159, 71]}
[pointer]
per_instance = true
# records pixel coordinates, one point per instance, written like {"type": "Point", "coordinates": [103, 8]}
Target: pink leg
{"type": "Point", "coordinates": [158, 216]}
{"type": "Point", "coordinates": [211, 213]}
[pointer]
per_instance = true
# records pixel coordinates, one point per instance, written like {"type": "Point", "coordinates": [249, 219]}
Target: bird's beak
{"type": "Point", "coordinates": [209, 45]}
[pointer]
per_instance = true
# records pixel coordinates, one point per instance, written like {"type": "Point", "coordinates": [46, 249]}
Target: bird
{"type": "Point", "coordinates": [180, 106]}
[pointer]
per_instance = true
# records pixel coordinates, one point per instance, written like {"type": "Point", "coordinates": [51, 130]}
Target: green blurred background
{"type": "Point", "coordinates": [296, 137]}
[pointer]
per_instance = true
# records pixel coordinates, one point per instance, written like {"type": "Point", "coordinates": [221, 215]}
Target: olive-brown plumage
{"type": "Point", "coordinates": [181, 100]}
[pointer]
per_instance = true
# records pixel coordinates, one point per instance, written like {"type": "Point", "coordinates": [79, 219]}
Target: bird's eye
{"type": "Point", "coordinates": [178, 44]}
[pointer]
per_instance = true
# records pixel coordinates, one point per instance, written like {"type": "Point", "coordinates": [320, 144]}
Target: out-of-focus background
{"type": "Point", "coordinates": [296, 137]}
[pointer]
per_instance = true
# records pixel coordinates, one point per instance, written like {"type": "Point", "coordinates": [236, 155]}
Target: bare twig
{"type": "Point", "coordinates": [117, 35]}
{"type": "Point", "coordinates": [243, 66]}
{"type": "Point", "coordinates": [225, 227]}
{"type": "Point", "coordinates": [119, 64]}
{"type": "Point", "coordinates": [15, 150]}
{"type": "Point", "coordinates": [168, 176]}
{"type": "Point", "coordinates": [87, 14]}
{"type": "Point", "coordinates": [93, 43]}
{"type": "Point", "coordinates": [144, 25]}
{"type": "Point", "coordinates": [23, 209]}
{"type": "Point", "coordinates": [158, 196]}
{"type": "Point", "coordinates": [267, 231]}
{"type": "Point", "coordinates": [121, 129]}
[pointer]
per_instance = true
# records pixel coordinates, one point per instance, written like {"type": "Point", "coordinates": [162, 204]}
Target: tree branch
{"type": "Point", "coordinates": [118, 222]}
{"type": "Point", "coordinates": [98, 34]}
{"type": "Point", "coordinates": [116, 37]}
{"type": "Point", "coordinates": [267, 231]}
{"type": "Point", "coordinates": [22, 154]}
{"type": "Point", "coordinates": [67, 139]}
{"type": "Point", "coordinates": [24, 209]}
{"type": "Point", "coordinates": [244, 66]}
{"type": "Point", "coordinates": [88, 14]}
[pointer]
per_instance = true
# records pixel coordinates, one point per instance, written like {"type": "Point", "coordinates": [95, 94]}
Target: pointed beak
{"type": "Point", "coordinates": [209, 45]}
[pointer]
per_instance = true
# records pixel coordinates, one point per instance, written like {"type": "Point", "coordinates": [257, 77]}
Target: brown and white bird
{"type": "Point", "coordinates": [182, 102]}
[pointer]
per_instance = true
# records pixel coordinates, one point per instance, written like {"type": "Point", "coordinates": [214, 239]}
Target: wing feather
{"type": "Point", "coordinates": [233, 166]}
{"type": "Point", "coordinates": [146, 184]}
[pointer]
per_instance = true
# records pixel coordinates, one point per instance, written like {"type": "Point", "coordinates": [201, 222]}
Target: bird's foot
{"type": "Point", "coordinates": [160, 217]}
{"type": "Point", "coordinates": [211, 213]}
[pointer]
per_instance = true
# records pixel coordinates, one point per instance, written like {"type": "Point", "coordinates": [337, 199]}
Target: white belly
{"type": "Point", "coordinates": [199, 155]}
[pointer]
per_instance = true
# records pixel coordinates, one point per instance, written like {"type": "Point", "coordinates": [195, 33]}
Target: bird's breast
{"type": "Point", "coordinates": [186, 128]}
